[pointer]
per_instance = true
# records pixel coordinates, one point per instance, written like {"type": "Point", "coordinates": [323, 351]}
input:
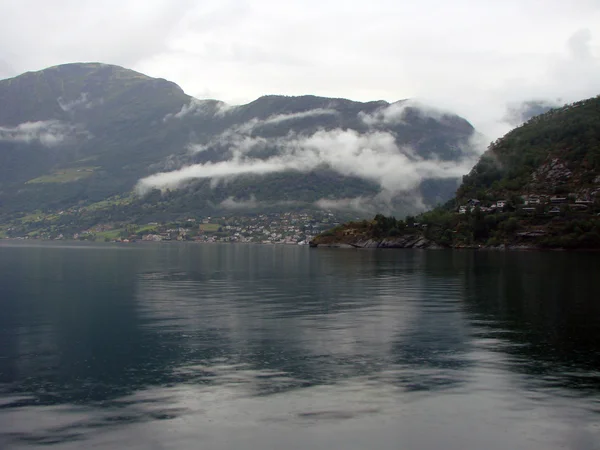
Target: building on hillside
{"type": "Point", "coordinates": [531, 200]}
{"type": "Point", "coordinates": [578, 207]}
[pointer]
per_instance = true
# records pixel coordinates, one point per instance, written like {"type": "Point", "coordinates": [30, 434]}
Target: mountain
{"type": "Point", "coordinates": [555, 153]}
{"type": "Point", "coordinates": [94, 118]}
{"type": "Point", "coordinates": [76, 135]}
{"type": "Point", "coordinates": [536, 187]}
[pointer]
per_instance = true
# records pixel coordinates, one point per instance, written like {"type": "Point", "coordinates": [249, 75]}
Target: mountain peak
{"type": "Point", "coordinates": [41, 95]}
{"type": "Point", "coordinates": [87, 68]}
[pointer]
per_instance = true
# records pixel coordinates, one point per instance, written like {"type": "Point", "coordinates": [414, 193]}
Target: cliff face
{"type": "Point", "coordinates": [381, 232]}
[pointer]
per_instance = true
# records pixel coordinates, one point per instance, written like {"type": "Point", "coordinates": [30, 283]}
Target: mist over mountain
{"type": "Point", "coordinates": [519, 113]}
{"type": "Point", "coordinates": [82, 133]}
{"type": "Point", "coordinates": [538, 186]}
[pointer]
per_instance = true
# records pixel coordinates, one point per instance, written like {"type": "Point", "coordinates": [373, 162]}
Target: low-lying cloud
{"type": "Point", "coordinates": [232, 203]}
{"type": "Point", "coordinates": [81, 102]}
{"type": "Point", "coordinates": [364, 205]}
{"type": "Point", "coordinates": [397, 112]}
{"type": "Point", "coordinates": [241, 138]}
{"type": "Point", "coordinates": [198, 107]}
{"type": "Point", "coordinates": [279, 118]}
{"type": "Point", "coordinates": [386, 202]}
{"type": "Point", "coordinates": [519, 113]}
{"type": "Point", "coordinates": [48, 133]}
{"type": "Point", "coordinates": [373, 156]}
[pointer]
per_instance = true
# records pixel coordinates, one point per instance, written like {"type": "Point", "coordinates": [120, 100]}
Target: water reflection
{"type": "Point", "coordinates": [543, 310]}
{"type": "Point", "coordinates": [99, 343]}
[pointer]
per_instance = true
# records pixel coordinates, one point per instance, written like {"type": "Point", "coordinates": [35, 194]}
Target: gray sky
{"type": "Point", "coordinates": [470, 56]}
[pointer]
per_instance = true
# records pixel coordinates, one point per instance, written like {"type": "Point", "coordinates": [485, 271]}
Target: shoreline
{"type": "Point", "coordinates": [371, 245]}
{"type": "Point", "coordinates": [436, 247]}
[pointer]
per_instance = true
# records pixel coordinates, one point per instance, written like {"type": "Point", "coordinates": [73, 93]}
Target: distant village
{"type": "Point", "coordinates": [293, 228]}
{"type": "Point", "coordinates": [275, 228]}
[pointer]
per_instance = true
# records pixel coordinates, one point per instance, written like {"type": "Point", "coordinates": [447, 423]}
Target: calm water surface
{"type": "Point", "coordinates": [277, 347]}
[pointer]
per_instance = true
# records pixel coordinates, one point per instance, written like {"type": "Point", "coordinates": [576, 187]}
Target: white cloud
{"type": "Point", "coordinates": [48, 133]}
{"type": "Point", "coordinates": [81, 102]}
{"type": "Point", "coordinates": [467, 56]}
{"type": "Point", "coordinates": [239, 137]}
{"type": "Point", "coordinates": [365, 205]}
{"type": "Point", "coordinates": [231, 203]}
{"type": "Point", "coordinates": [396, 113]}
{"type": "Point", "coordinates": [198, 107]}
{"type": "Point", "coordinates": [373, 156]}
{"type": "Point", "coordinates": [279, 118]}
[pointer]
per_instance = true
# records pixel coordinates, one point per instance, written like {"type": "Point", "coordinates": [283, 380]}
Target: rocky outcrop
{"type": "Point", "coordinates": [553, 172]}
{"type": "Point", "coordinates": [412, 241]}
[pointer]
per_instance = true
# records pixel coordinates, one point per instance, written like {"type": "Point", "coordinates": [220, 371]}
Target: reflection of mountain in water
{"type": "Point", "coordinates": [100, 341]}
{"type": "Point", "coordinates": [433, 351]}
{"type": "Point", "coordinates": [265, 319]}
{"type": "Point", "coordinates": [72, 328]}
{"type": "Point", "coordinates": [87, 326]}
{"type": "Point", "coordinates": [316, 321]}
{"type": "Point", "coordinates": [544, 309]}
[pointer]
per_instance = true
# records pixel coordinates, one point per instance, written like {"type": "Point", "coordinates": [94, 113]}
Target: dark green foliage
{"type": "Point", "coordinates": [570, 133]}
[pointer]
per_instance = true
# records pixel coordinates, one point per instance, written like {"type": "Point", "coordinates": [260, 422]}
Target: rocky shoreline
{"type": "Point", "coordinates": [417, 242]}
{"type": "Point", "coordinates": [425, 244]}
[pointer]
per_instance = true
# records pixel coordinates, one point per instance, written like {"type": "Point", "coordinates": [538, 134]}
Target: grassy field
{"type": "Point", "coordinates": [33, 217]}
{"type": "Point", "coordinates": [110, 234]}
{"type": "Point", "coordinates": [210, 227]}
{"type": "Point", "coordinates": [113, 201]}
{"type": "Point", "coordinates": [64, 175]}
{"type": "Point", "coordinates": [145, 228]}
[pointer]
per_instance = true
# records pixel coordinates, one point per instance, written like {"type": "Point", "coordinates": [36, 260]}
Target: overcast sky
{"type": "Point", "coordinates": [470, 56]}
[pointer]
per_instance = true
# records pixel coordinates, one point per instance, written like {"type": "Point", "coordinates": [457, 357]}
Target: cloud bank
{"type": "Point", "coordinates": [232, 203]}
{"type": "Point", "coordinates": [280, 118]}
{"type": "Point", "coordinates": [361, 205]}
{"type": "Point", "coordinates": [240, 138]}
{"type": "Point", "coordinates": [49, 133]}
{"type": "Point", "coordinates": [373, 156]}
{"type": "Point", "coordinates": [397, 112]}
{"type": "Point", "coordinates": [198, 107]}
{"type": "Point", "coordinates": [455, 54]}
{"type": "Point", "coordinates": [81, 102]}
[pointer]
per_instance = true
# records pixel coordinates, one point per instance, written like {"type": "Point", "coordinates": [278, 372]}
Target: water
{"type": "Point", "coordinates": [173, 346]}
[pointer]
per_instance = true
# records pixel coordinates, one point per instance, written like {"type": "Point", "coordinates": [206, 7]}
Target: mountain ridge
{"type": "Point", "coordinates": [77, 134]}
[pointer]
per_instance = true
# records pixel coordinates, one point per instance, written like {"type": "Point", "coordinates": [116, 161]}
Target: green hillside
{"type": "Point", "coordinates": [554, 153]}
{"type": "Point", "coordinates": [536, 187]}
{"type": "Point", "coordinates": [70, 117]}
